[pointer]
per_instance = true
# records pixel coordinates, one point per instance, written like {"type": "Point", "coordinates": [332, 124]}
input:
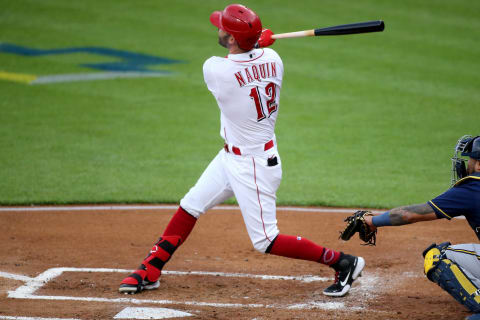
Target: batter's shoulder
{"type": "Point", "coordinates": [214, 60]}
{"type": "Point", "coordinates": [213, 63]}
{"type": "Point", "coordinates": [272, 55]}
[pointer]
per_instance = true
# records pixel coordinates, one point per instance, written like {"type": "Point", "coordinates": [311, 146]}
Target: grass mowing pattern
{"type": "Point", "coordinates": [365, 120]}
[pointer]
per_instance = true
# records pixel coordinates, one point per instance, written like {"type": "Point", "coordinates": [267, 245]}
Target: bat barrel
{"type": "Point", "coordinates": [352, 28]}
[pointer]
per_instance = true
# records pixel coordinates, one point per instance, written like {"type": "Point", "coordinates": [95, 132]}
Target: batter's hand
{"type": "Point", "coordinates": [266, 38]}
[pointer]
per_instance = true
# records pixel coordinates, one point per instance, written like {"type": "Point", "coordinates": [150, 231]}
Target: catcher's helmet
{"type": "Point", "coordinates": [466, 146]}
{"type": "Point", "coordinates": [241, 22]}
{"type": "Point", "coordinates": [472, 148]}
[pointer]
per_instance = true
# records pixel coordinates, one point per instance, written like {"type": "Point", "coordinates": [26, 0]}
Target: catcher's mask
{"type": "Point", "coordinates": [466, 146]}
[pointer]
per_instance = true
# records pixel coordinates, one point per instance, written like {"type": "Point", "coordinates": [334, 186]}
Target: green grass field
{"type": "Point", "coordinates": [365, 120]}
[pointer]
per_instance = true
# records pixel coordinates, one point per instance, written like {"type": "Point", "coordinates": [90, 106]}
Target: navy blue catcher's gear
{"type": "Point", "coordinates": [467, 146]}
{"type": "Point", "coordinates": [461, 200]}
{"type": "Point", "coordinates": [472, 149]}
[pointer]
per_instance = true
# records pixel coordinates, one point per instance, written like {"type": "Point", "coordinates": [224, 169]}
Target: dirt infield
{"type": "Point", "coordinates": [68, 264]}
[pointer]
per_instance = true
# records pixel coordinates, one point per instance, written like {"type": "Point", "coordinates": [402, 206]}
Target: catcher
{"type": "Point", "coordinates": [455, 268]}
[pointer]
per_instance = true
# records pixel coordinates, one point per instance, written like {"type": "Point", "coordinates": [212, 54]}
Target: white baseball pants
{"type": "Point", "coordinates": [254, 184]}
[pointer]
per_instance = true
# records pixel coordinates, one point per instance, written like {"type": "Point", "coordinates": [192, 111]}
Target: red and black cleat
{"type": "Point", "coordinates": [147, 275]}
{"type": "Point", "coordinates": [137, 282]}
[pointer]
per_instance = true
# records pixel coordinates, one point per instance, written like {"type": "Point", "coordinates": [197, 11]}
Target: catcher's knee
{"type": "Point", "coordinates": [433, 255]}
{"type": "Point", "coordinates": [451, 278]}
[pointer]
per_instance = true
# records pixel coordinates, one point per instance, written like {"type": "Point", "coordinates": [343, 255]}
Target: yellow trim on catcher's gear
{"type": "Point", "coordinates": [431, 259]}
{"type": "Point", "coordinates": [472, 253]}
{"type": "Point", "coordinates": [466, 284]}
{"type": "Point", "coordinates": [446, 215]}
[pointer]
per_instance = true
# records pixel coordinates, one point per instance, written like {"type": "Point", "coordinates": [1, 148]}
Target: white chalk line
{"type": "Point", "coordinates": [33, 284]}
{"type": "Point", "coordinates": [173, 207]}
{"type": "Point", "coordinates": [305, 278]}
{"type": "Point", "coordinates": [321, 305]}
{"type": "Point", "coordinates": [14, 276]}
{"type": "Point", "coordinates": [162, 207]}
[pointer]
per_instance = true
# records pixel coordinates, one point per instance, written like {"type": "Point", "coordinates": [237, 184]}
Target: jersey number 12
{"type": "Point", "coordinates": [270, 92]}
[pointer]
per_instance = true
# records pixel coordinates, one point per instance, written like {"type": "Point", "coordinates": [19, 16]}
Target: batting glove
{"type": "Point", "coordinates": [266, 38]}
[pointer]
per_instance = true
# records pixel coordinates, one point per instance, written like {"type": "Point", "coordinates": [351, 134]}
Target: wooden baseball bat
{"type": "Point", "coordinates": [352, 28]}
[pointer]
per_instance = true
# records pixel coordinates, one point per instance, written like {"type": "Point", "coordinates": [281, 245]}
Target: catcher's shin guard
{"type": "Point", "coordinates": [433, 255]}
{"type": "Point", "coordinates": [451, 278]}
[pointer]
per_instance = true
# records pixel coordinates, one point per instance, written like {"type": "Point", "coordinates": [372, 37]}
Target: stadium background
{"type": "Point", "coordinates": [365, 120]}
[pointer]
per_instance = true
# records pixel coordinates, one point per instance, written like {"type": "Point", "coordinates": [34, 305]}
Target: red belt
{"type": "Point", "coordinates": [237, 151]}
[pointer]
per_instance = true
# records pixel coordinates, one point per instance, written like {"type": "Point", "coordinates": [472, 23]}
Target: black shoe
{"type": "Point", "coordinates": [348, 268]}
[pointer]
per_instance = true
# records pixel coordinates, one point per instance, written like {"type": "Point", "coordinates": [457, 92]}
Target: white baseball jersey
{"type": "Point", "coordinates": [247, 89]}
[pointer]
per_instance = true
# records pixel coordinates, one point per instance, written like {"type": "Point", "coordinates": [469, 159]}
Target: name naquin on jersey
{"type": "Point", "coordinates": [256, 72]}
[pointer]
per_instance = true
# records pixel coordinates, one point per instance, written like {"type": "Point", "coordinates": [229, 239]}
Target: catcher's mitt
{"type": "Point", "coordinates": [356, 223]}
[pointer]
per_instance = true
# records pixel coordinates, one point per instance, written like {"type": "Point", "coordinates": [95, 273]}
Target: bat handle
{"type": "Point", "coordinates": [297, 34]}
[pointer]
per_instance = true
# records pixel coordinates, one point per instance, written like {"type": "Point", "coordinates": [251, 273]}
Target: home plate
{"type": "Point", "coordinates": [150, 313]}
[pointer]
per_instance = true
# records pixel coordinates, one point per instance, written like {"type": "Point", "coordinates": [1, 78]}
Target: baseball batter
{"type": "Point", "coordinates": [246, 85]}
{"type": "Point", "coordinates": [456, 268]}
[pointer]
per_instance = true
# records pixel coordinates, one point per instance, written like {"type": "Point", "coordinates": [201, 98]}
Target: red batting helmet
{"type": "Point", "coordinates": [241, 22]}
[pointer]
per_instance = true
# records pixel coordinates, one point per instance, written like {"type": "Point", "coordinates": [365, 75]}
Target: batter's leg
{"type": "Point", "coordinates": [347, 267]}
{"type": "Point", "coordinates": [255, 183]}
{"type": "Point", "coordinates": [211, 189]}
{"type": "Point", "coordinates": [147, 274]}
{"type": "Point", "coordinates": [301, 248]}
